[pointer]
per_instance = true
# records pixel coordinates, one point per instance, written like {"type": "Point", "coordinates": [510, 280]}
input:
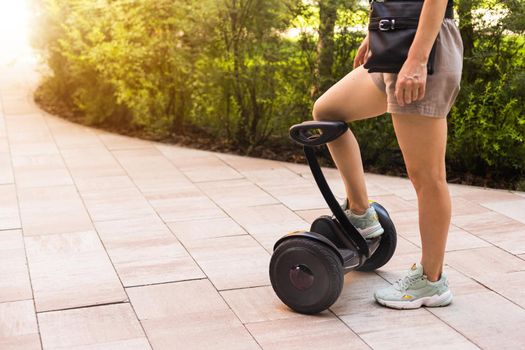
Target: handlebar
{"type": "Point", "coordinates": [327, 131]}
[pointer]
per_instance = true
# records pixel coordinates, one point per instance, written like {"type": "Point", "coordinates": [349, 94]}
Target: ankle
{"type": "Point", "coordinates": [358, 210]}
{"type": "Point", "coordinates": [431, 275]}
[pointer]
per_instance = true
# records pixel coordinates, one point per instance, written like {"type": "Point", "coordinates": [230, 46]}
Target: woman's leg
{"type": "Point", "coordinates": [423, 143]}
{"type": "Point", "coordinates": [352, 98]}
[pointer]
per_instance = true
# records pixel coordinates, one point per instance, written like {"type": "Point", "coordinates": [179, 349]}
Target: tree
{"type": "Point", "coordinates": [249, 49]}
{"type": "Point", "coordinates": [328, 18]}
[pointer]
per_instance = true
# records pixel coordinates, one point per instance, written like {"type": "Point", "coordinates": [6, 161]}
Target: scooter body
{"type": "Point", "coordinates": [307, 267]}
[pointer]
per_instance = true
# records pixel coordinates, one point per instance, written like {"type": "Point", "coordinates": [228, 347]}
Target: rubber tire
{"type": "Point", "coordinates": [332, 264]}
{"type": "Point", "coordinates": [386, 248]}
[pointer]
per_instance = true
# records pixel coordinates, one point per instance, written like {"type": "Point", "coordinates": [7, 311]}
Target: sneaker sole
{"type": "Point", "coordinates": [433, 301]}
{"type": "Point", "coordinates": [372, 231]}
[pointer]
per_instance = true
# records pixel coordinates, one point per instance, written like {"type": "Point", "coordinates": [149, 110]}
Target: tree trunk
{"type": "Point", "coordinates": [237, 16]}
{"type": "Point", "coordinates": [325, 47]}
{"type": "Point", "coordinates": [179, 106]}
{"type": "Point", "coordinates": [242, 124]}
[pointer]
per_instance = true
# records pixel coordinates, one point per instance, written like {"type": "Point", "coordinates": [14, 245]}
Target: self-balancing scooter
{"type": "Point", "coordinates": [307, 268]}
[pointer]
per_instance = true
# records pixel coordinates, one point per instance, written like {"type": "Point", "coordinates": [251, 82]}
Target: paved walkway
{"type": "Point", "coordinates": [109, 242]}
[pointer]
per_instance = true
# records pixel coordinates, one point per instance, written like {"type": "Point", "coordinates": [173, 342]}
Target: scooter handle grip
{"type": "Point", "coordinates": [328, 131]}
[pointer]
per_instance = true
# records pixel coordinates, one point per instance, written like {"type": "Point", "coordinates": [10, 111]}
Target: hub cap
{"type": "Point", "coordinates": [301, 277]}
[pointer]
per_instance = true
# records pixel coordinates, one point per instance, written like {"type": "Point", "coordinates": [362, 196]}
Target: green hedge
{"type": "Point", "coordinates": [227, 67]}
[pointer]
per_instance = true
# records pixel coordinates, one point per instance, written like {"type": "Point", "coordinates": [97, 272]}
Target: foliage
{"type": "Point", "coordinates": [123, 62]}
{"type": "Point", "coordinates": [245, 79]}
{"type": "Point", "coordinates": [487, 124]}
{"type": "Point", "coordinates": [490, 125]}
{"type": "Point", "coordinates": [245, 70]}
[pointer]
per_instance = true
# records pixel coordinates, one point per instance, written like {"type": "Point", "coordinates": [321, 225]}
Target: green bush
{"type": "Point", "coordinates": [488, 127]}
{"type": "Point", "coordinates": [229, 68]}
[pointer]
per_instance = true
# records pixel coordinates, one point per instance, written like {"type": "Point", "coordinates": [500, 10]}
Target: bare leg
{"type": "Point", "coordinates": [423, 143]}
{"type": "Point", "coordinates": [352, 98]}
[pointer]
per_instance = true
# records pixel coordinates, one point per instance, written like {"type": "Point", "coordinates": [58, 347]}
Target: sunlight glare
{"type": "Point", "coordinates": [13, 29]}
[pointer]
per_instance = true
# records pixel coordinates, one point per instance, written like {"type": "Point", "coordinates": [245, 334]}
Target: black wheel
{"type": "Point", "coordinates": [306, 275]}
{"type": "Point", "coordinates": [388, 243]}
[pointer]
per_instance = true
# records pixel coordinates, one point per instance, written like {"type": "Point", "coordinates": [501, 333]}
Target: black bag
{"type": "Point", "coordinates": [392, 28]}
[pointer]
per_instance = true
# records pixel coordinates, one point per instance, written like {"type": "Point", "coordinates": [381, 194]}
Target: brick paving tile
{"type": "Point", "coordinates": [101, 327]}
{"type": "Point", "coordinates": [18, 326]}
{"type": "Point", "coordinates": [514, 209]}
{"type": "Point", "coordinates": [71, 270]}
{"type": "Point", "coordinates": [191, 231]}
{"type": "Point", "coordinates": [55, 209]}
{"type": "Point", "coordinates": [41, 171]}
{"type": "Point", "coordinates": [14, 284]}
{"type": "Point", "coordinates": [144, 251]}
{"type": "Point", "coordinates": [6, 170]}
{"type": "Point", "coordinates": [313, 332]}
{"type": "Point", "coordinates": [9, 214]}
{"type": "Point", "coordinates": [487, 319]}
{"type": "Point", "coordinates": [188, 315]}
{"type": "Point", "coordinates": [258, 304]}
{"type": "Point", "coordinates": [232, 262]}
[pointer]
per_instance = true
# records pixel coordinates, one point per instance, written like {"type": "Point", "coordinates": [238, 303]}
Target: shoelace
{"type": "Point", "coordinates": [405, 282]}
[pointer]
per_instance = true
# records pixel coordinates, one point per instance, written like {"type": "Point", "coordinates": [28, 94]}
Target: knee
{"type": "Point", "coordinates": [319, 110]}
{"type": "Point", "coordinates": [322, 111]}
{"type": "Point", "coordinates": [428, 179]}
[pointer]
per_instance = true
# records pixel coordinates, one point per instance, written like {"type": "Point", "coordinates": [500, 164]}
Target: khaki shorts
{"type": "Point", "coordinates": [442, 87]}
